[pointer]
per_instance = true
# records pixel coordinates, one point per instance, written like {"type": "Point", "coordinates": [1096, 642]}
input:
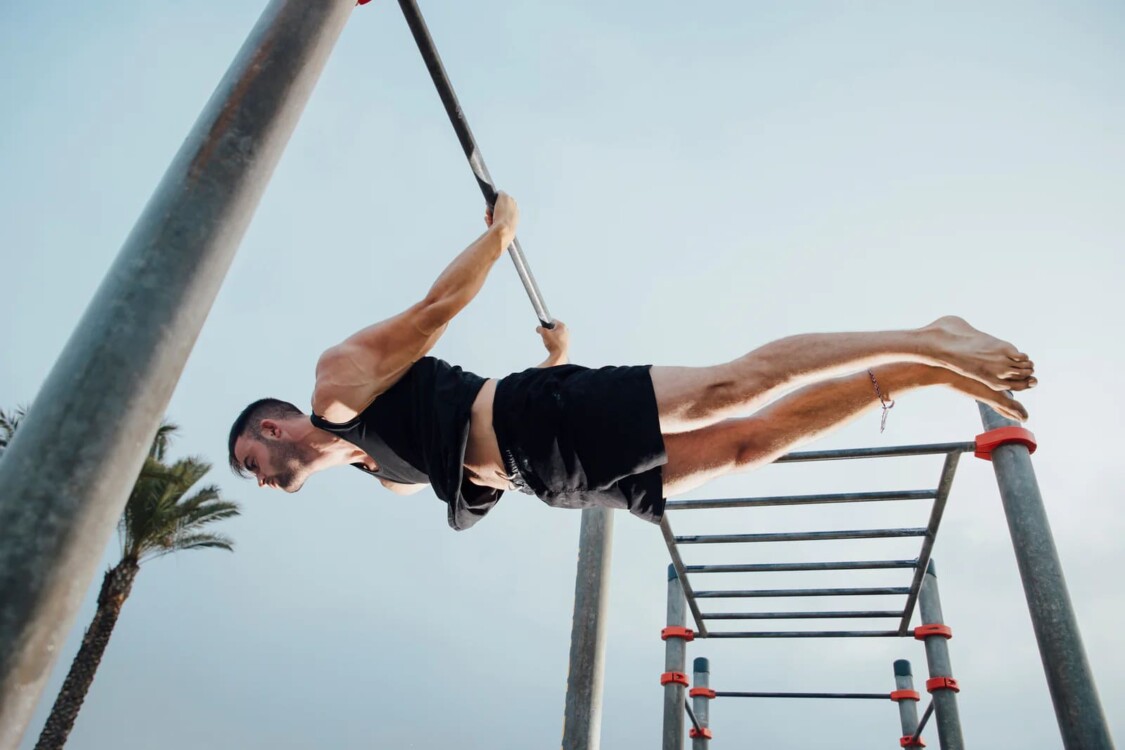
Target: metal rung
{"type": "Point", "coordinates": [768, 593]}
{"type": "Point", "coordinates": [753, 694]}
{"type": "Point", "coordinates": [769, 567]}
{"type": "Point", "coordinates": [805, 536]}
{"type": "Point", "coordinates": [887, 452]}
{"type": "Point", "coordinates": [811, 634]}
{"type": "Point", "coordinates": [801, 615]}
{"type": "Point", "coordinates": [765, 502]}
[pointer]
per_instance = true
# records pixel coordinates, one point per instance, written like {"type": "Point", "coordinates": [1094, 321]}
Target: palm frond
{"type": "Point", "coordinates": [9, 422]}
{"type": "Point", "coordinates": [163, 515]}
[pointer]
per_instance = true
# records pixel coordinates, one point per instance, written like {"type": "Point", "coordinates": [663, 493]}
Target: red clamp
{"type": "Point", "coordinates": [937, 683]}
{"type": "Point", "coordinates": [678, 678]}
{"type": "Point", "coordinates": [988, 441]}
{"type": "Point", "coordinates": [705, 733]}
{"type": "Point", "coordinates": [701, 693]}
{"type": "Point", "coordinates": [675, 631]}
{"type": "Point", "coordinates": [905, 695]}
{"type": "Point", "coordinates": [934, 628]}
{"type": "Point", "coordinates": [910, 741]}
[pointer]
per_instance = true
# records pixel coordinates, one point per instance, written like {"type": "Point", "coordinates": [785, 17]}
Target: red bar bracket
{"type": "Point", "coordinates": [675, 631]}
{"type": "Point", "coordinates": [909, 741]}
{"type": "Point", "coordinates": [678, 678]}
{"type": "Point", "coordinates": [934, 628]}
{"type": "Point", "coordinates": [938, 683]}
{"type": "Point", "coordinates": [988, 441]}
{"type": "Point", "coordinates": [705, 733]}
{"type": "Point", "coordinates": [905, 695]}
{"type": "Point", "coordinates": [701, 693]}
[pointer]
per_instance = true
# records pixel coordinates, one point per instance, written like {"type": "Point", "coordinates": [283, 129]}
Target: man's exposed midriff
{"type": "Point", "coordinates": [483, 464]}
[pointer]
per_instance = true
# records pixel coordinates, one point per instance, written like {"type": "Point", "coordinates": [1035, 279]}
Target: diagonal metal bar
{"type": "Point", "coordinates": [822, 499]}
{"type": "Point", "coordinates": [772, 567]}
{"type": "Point", "coordinates": [841, 615]}
{"type": "Point", "coordinates": [801, 536]}
{"type": "Point", "coordinates": [945, 484]}
{"type": "Point", "coordinates": [469, 145]}
{"type": "Point", "coordinates": [886, 452]}
{"type": "Point", "coordinates": [769, 593]}
{"type": "Point", "coordinates": [681, 571]}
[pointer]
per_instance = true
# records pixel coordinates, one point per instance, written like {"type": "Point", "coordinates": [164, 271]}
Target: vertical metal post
{"type": "Point", "coordinates": [907, 709]}
{"type": "Point", "coordinates": [582, 720]}
{"type": "Point", "coordinates": [701, 704]}
{"type": "Point", "coordinates": [937, 657]}
{"type": "Point", "coordinates": [675, 656]}
{"type": "Point", "coordinates": [1078, 709]}
{"type": "Point", "coordinates": [66, 475]}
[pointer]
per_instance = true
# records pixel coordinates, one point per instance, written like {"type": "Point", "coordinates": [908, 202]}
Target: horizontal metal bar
{"type": "Point", "coordinates": [766, 502]}
{"type": "Point", "coordinates": [800, 615]}
{"type": "Point", "coordinates": [759, 694]}
{"type": "Point", "coordinates": [770, 593]}
{"type": "Point", "coordinates": [802, 536]}
{"type": "Point", "coordinates": [885, 452]}
{"type": "Point", "coordinates": [809, 634]}
{"type": "Point", "coordinates": [771, 567]}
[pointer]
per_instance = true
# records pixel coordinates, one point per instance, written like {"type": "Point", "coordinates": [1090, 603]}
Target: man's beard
{"type": "Point", "coordinates": [292, 463]}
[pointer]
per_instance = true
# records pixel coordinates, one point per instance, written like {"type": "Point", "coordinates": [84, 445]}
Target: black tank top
{"type": "Point", "coordinates": [417, 432]}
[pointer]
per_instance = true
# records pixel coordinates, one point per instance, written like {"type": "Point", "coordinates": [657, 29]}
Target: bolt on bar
{"type": "Point", "coordinates": [769, 593]}
{"type": "Point", "coordinates": [804, 536]}
{"type": "Point", "coordinates": [766, 502]}
{"type": "Point", "coordinates": [469, 145]}
{"type": "Point", "coordinates": [1078, 708]}
{"type": "Point", "coordinates": [68, 471]}
{"type": "Point", "coordinates": [945, 484]}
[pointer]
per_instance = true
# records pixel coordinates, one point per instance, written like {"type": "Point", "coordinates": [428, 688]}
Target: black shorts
{"type": "Point", "coordinates": [577, 437]}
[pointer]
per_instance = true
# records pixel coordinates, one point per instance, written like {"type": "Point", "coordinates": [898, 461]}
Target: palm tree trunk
{"type": "Point", "coordinates": [116, 586]}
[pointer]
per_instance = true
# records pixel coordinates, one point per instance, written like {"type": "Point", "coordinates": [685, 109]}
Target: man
{"type": "Point", "coordinates": [621, 437]}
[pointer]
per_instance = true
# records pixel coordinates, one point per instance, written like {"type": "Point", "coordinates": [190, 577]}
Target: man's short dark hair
{"type": "Point", "coordinates": [247, 423]}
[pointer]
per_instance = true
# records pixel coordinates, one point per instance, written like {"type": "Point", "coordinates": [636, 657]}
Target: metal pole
{"type": "Point", "coordinates": [68, 472]}
{"type": "Point", "coordinates": [701, 704]}
{"type": "Point", "coordinates": [675, 656]}
{"type": "Point", "coordinates": [469, 145]}
{"type": "Point", "coordinates": [1077, 706]}
{"type": "Point", "coordinates": [582, 720]}
{"type": "Point", "coordinates": [907, 707]}
{"type": "Point", "coordinates": [937, 657]}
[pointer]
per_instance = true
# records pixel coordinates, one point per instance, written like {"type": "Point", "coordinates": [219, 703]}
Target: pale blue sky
{"type": "Point", "coordinates": [694, 181]}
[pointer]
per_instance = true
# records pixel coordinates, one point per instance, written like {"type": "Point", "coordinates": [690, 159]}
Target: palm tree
{"type": "Point", "coordinates": [8, 424]}
{"type": "Point", "coordinates": [160, 517]}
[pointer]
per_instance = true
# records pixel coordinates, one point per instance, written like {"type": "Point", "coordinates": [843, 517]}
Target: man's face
{"type": "Point", "coordinates": [276, 462]}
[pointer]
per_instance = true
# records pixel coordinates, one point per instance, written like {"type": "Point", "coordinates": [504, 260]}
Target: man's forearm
{"type": "Point", "coordinates": [462, 279]}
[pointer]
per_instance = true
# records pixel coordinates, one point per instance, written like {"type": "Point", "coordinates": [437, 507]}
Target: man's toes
{"type": "Point", "coordinates": [1017, 356]}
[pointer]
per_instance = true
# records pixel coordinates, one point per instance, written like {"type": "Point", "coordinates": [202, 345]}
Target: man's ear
{"type": "Point", "coordinates": [270, 429]}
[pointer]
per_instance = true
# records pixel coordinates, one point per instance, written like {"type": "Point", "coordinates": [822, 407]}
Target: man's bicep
{"type": "Point", "coordinates": [402, 489]}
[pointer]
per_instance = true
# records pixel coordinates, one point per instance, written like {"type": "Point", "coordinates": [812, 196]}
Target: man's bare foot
{"type": "Point", "coordinates": [1001, 401]}
{"type": "Point", "coordinates": [984, 358]}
